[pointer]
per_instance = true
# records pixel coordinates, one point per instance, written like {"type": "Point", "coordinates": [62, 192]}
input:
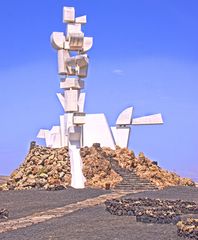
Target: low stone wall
{"type": "Point", "coordinates": [151, 210]}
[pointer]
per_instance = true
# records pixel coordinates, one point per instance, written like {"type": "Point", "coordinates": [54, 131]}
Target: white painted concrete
{"type": "Point", "coordinates": [68, 14]}
{"type": "Point", "coordinates": [57, 40]}
{"type": "Point", "coordinates": [81, 102]}
{"type": "Point", "coordinates": [121, 136]}
{"type": "Point", "coordinates": [125, 117]}
{"type": "Point", "coordinates": [81, 20]}
{"type": "Point", "coordinates": [97, 130]}
{"type": "Point", "coordinates": [148, 120]}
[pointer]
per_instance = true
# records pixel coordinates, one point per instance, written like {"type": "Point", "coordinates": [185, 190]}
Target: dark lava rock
{"type": "Point", "coordinates": [56, 188]}
{"type": "Point", "coordinates": [161, 216]}
{"type": "Point", "coordinates": [4, 213]}
{"type": "Point", "coordinates": [151, 210]}
{"type": "Point", "coordinates": [188, 228]}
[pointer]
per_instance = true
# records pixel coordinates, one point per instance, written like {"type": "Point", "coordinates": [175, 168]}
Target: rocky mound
{"type": "Point", "coordinates": [145, 168]}
{"type": "Point", "coordinates": [49, 168]}
{"type": "Point", "coordinates": [96, 162]}
{"type": "Point", "coordinates": [97, 168]}
{"type": "Point", "coordinates": [43, 168]}
{"type": "Point", "coordinates": [188, 228]}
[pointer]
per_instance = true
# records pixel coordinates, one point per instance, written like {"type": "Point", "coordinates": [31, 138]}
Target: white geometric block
{"type": "Point", "coordinates": [87, 44]}
{"type": "Point", "coordinates": [71, 100]}
{"type": "Point", "coordinates": [52, 137]}
{"type": "Point", "coordinates": [82, 71]}
{"type": "Point", "coordinates": [79, 119]}
{"type": "Point", "coordinates": [66, 45]}
{"type": "Point", "coordinates": [68, 14]}
{"type": "Point", "coordinates": [68, 122]}
{"type": "Point", "coordinates": [81, 20]}
{"type": "Point", "coordinates": [70, 71]}
{"type": "Point", "coordinates": [74, 133]}
{"type": "Point", "coordinates": [76, 41]}
{"type": "Point", "coordinates": [82, 60]}
{"type": "Point", "coordinates": [55, 137]}
{"type": "Point", "coordinates": [61, 99]}
{"type": "Point", "coordinates": [70, 61]}
{"type": "Point", "coordinates": [125, 117]}
{"type": "Point", "coordinates": [73, 28]}
{"type": "Point", "coordinates": [152, 119]}
{"type": "Point", "coordinates": [81, 102]}
{"type": "Point", "coordinates": [96, 130]}
{"type": "Point", "coordinates": [62, 55]}
{"type": "Point", "coordinates": [74, 83]}
{"type": "Point", "coordinates": [42, 133]}
{"type": "Point", "coordinates": [64, 140]}
{"type": "Point", "coordinates": [57, 40]}
{"type": "Point", "coordinates": [121, 136]}
{"type": "Point", "coordinates": [55, 129]}
{"type": "Point", "coordinates": [79, 60]}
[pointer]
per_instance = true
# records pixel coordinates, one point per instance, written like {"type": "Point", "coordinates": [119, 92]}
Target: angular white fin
{"type": "Point", "coordinates": [125, 117]}
{"type": "Point", "coordinates": [152, 119]}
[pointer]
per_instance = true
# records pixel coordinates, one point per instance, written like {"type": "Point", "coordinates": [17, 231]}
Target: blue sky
{"type": "Point", "coordinates": [145, 55]}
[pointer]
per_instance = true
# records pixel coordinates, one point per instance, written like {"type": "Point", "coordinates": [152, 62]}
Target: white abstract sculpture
{"type": "Point", "coordinates": [71, 68]}
{"type": "Point", "coordinates": [122, 129]}
{"type": "Point", "coordinates": [78, 129]}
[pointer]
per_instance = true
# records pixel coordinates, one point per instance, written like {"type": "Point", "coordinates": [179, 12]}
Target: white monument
{"type": "Point", "coordinates": [78, 129]}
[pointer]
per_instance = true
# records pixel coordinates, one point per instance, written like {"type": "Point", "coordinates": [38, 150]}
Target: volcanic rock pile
{"type": "Point", "coordinates": [148, 169]}
{"type": "Point", "coordinates": [49, 168]}
{"type": "Point", "coordinates": [151, 210]}
{"type": "Point", "coordinates": [43, 168]}
{"type": "Point", "coordinates": [188, 228]}
{"type": "Point", "coordinates": [97, 168]}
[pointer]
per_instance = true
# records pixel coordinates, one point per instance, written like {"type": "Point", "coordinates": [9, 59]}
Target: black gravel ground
{"type": "Point", "coordinates": [27, 202]}
{"type": "Point", "coordinates": [173, 193]}
{"type": "Point", "coordinates": [95, 223]}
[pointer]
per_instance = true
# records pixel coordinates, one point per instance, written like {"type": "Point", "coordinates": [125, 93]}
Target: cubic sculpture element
{"type": "Point", "coordinates": [78, 129]}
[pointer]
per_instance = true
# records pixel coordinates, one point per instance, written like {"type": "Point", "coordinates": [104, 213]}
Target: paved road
{"type": "Point", "coordinates": [94, 223]}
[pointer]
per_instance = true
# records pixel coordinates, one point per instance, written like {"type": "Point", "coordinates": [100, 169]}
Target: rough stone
{"type": "Point", "coordinates": [188, 228]}
{"type": "Point", "coordinates": [151, 210]}
{"type": "Point", "coordinates": [44, 167]}
{"type": "Point", "coordinates": [4, 213]}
